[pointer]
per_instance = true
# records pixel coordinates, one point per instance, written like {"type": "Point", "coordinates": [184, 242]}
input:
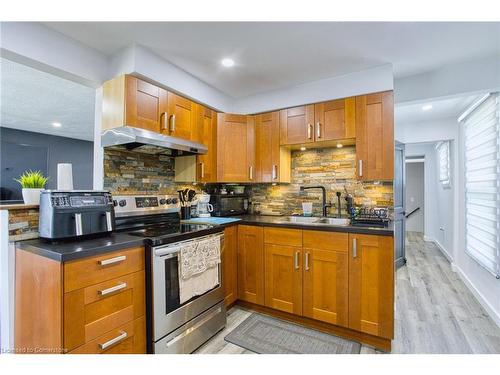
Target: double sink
{"type": "Point", "coordinates": [316, 220]}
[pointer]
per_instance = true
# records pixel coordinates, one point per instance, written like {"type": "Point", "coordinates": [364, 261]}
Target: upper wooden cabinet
{"type": "Point", "coordinates": [375, 136]}
{"type": "Point", "coordinates": [272, 161]}
{"type": "Point", "coordinates": [334, 120]}
{"type": "Point", "coordinates": [297, 125]}
{"type": "Point", "coordinates": [205, 131]}
{"type": "Point", "coordinates": [235, 148]}
{"type": "Point", "coordinates": [181, 117]}
{"type": "Point", "coordinates": [320, 122]}
{"type": "Point", "coordinates": [251, 264]}
{"type": "Point", "coordinates": [371, 284]}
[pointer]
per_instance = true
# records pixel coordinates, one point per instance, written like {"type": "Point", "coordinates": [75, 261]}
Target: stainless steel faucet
{"type": "Point", "coordinates": [325, 205]}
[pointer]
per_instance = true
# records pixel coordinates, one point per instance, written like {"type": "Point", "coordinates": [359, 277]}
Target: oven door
{"type": "Point", "coordinates": [168, 313]}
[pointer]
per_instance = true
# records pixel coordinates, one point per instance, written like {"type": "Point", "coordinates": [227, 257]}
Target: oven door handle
{"type": "Point", "coordinates": [174, 249]}
{"type": "Point", "coordinates": [167, 251]}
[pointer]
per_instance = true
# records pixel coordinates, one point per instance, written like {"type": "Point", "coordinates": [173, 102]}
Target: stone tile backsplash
{"type": "Point", "coordinates": [128, 172]}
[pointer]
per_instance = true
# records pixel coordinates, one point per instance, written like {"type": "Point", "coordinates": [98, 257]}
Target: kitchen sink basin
{"type": "Point", "coordinates": [316, 220]}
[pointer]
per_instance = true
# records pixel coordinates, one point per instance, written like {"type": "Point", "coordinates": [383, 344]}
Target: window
{"type": "Point", "coordinates": [443, 151]}
{"type": "Point", "coordinates": [482, 190]}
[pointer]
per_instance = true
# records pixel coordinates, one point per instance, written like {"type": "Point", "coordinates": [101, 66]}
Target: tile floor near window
{"type": "Point", "coordinates": [435, 312]}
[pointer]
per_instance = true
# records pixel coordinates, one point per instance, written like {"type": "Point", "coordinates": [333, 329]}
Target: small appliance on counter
{"type": "Point", "coordinates": [229, 204]}
{"type": "Point", "coordinates": [74, 214]}
{"type": "Point", "coordinates": [205, 208]}
{"type": "Point", "coordinates": [370, 216]}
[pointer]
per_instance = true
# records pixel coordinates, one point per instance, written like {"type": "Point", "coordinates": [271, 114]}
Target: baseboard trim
{"type": "Point", "coordinates": [494, 315]}
{"type": "Point", "coordinates": [443, 250]}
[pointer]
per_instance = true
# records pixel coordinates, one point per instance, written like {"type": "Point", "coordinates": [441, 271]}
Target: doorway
{"type": "Point", "coordinates": [415, 192]}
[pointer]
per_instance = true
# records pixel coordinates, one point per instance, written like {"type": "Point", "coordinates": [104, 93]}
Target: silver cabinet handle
{"type": "Point", "coordinates": [172, 123]}
{"type": "Point", "coordinates": [109, 222]}
{"type": "Point", "coordinates": [78, 224]}
{"type": "Point", "coordinates": [123, 335]}
{"type": "Point", "coordinates": [112, 289]}
{"type": "Point", "coordinates": [250, 173]}
{"type": "Point", "coordinates": [164, 121]}
{"type": "Point", "coordinates": [275, 172]}
{"type": "Point", "coordinates": [360, 167]}
{"type": "Point", "coordinates": [117, 259]}
{"type": "Point", "coordinates": [318, 129]}
{"type": "Point", "coordinates": [309, 131]}
{"type": "Point", "coordinates": [296, 260]}
{"type": "Point", "coordinates": [354, 247]}
{"type": "Point", "coordinates": [202, 169]}
{"type": "Point", "coordinates": [307, 261]}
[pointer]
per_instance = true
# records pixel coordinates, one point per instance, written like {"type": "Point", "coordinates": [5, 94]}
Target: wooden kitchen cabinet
{"type": "Point", "coordinates": [273, 162]}
{"type": "Point", "coordinates": [326, 277]}
{"type": "Point", "coordinates": [235, 148]}
{"type": "Point", "coordinates": [230, 265]}
{"type": "Point", "coordinates": [181, 117]}
{"type": "Point", "coordinates": [283, 269]}
{"type": "Point", "coordinates": [375, 136]}
{"type": "Point", "coordinates": [371, 284]}
{"type": "Point", "coordinates": [80, 305]}
{"type": "Point", "coordinates": [334, 120]}
{"type": "Point", "coordinates": [297, 125]}
{"type": "Point", "coordinates": [206, 133]}
{"type": "Point", "coordinates": [251, 264]}
{"type": "Point", "coordinates": [130, 101]}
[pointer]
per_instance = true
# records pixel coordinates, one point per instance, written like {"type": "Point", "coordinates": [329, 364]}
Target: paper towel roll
{"type": "Point", "coordinates": [64, 176]}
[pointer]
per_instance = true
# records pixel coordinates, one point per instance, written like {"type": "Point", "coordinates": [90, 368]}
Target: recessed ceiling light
{"type": "Point", "coordinates": [227, 62]}
{"type": "Point", "coordinates": [302, 149]}
{"type": "Point", "coordinates": [56, 124]}
{"type": "Point", "coordinates": [340, 145]}
{"type": "Point", "coordinates": [427, 107]}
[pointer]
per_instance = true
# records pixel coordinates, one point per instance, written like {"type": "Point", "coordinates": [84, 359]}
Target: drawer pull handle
{"type": "Point", "coordinates": [114, 260]}
{"type": "Point", "coordinates": [122, 336]}
{"type": "Point", "coordinates": [112, 289]}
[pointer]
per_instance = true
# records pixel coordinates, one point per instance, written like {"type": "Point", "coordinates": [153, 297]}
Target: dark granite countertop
{"type": "Point", "coordinates": [279, 221]}
{"type": "Point", "coordinates": [65, 251]}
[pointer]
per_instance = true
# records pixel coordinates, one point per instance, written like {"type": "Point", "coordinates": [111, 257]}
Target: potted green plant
{"type": "Point", "coordinates": [32, 182]}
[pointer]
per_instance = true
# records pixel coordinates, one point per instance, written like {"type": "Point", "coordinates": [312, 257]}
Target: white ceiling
{"type": "Point", "coordinates": [32, 100]}
{"type": "Point", "coordinates": [444, 108]}
{"type": "Point", "coordinates": [277, 55]}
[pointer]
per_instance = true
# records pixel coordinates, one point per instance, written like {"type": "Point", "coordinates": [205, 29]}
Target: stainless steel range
{"type": "Point", "coordinates": [172, 326]}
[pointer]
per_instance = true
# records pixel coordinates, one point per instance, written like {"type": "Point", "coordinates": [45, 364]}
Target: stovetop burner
{"type": "Point", "coordinates": [165, 230]}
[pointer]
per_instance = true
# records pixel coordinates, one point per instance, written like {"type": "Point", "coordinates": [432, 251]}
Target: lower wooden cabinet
{"type": "Point", "coordinates": [371, 284]}
{"type": "Point", "coordinates": [326, 277]}
{"type": "Point", "coordinates": [230, 265]}
{"type": "Point", "coordinates": [251, 264]}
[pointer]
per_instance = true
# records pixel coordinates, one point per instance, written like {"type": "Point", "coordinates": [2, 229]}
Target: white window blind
{"type": "Point", "coordinates": [443, 150]}
{"type": "Point", "coordinates": [482, 190]}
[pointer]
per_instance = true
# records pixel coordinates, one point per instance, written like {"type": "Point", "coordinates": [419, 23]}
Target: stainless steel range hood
{"type": "Point", "coordinates": [146, 141]}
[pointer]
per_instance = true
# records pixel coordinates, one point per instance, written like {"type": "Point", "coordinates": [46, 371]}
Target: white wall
{"type": "Point", "coordinates": [427, 131]}
{"type": "Point", "coordinates": [415, 196]}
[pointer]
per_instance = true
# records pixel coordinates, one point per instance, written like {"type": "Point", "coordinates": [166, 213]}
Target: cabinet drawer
{"type": "Point", "coordinates": [321, 240]}
{"type": "Point", "coordinates": [90, 312]}
{"type": "Point", "coordinates": [81, 273]}
{"type": "Point", "coordinates": [283, 236]}
{"type": "Point", "coordinates": [129, 338]}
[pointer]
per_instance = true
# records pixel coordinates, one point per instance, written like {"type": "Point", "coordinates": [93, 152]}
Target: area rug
{"type": "Point", "coordinates": [265, 335]}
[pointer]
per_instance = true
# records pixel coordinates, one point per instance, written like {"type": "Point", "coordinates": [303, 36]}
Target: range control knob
{"type": "Point", "coordinates": [169, 201]}
{"type": "Point", "coordinates": [115, 203]}
{"type": "Point", "coordinates": [174, 200]}
{"type": "Point", "coordinates": [163, 201]}
{"type": "Point", "coordinates": [122, 203]}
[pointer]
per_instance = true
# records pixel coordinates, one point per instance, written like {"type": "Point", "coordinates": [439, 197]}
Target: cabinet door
{"type": "Point", "coordinates": [326, 277]}
{"type": "Point", "coordinates": [267, 147]}
{"type": "Point", "coordinates": [283, 278]}
{"type": "Point", "coordinates": [297, 125]}
{"type": "Point", "coordinates": [235, 148]}
{"type": "Point", "coordinates": [206, 133]}
{"type": "Point", "coordinates": [146, 105]}
{"type": "Point", "coordinates": [371, 284]}
{"type": "Point", "coordinates": [182, 116]}
{"type": "Point", "coordinates": [334, 119]}
{"type": "Point", "coordinates": [375, 136]}
{"type": "Point", "coordinates": [230, 265]}
{"type": "Point", "coordinates": [251, 264]}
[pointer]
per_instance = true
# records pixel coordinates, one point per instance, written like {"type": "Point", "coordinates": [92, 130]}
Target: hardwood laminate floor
{"type": "Point", "coordinates": [435, 312]}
